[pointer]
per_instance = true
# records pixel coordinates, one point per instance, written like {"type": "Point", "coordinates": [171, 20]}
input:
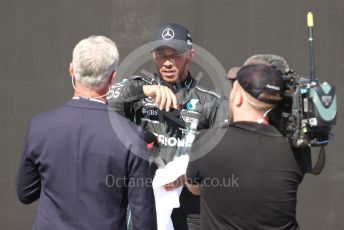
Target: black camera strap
{"type": "Point", "coordinates": [319, 165]}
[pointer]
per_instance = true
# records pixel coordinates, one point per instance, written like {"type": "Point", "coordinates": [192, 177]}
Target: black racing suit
{"type": "Point", "coordinates": [195, 102]}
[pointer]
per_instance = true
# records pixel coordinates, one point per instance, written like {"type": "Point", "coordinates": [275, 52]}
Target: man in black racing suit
{"type": "Point", "coordinates": [143, 98]}
{"type": "Point", "coordinates": [195, 102]}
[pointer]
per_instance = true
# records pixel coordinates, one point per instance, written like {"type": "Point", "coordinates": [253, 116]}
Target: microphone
{"type": "Point", "coordinates": [152, 150]}
{"type": "Point", "coordinates": [310, 24]}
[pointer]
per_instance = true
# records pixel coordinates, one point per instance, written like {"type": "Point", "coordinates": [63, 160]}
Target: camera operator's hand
{"type": "Point", "coordinates": [163, 96]}
{"type": "Point", "coordinates": [193, 188]}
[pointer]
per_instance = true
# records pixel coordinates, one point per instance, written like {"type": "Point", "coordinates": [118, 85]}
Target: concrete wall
{"type": "Point", "coordinates": [37, 38]}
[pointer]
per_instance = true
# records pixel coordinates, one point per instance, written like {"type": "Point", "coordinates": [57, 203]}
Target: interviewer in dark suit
{"type": "Point", "coordinates": [73, 160]}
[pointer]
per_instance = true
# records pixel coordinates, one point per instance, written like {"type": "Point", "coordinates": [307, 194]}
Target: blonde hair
{"type": "Point", "coordinates": [277, 61]}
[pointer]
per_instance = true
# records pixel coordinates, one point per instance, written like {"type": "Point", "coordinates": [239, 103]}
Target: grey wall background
{"type": "Point", "coordinates": [37, 38]}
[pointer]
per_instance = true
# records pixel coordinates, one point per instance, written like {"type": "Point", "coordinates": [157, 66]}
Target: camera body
{"type": "Point", "coordinates": [307, 112]}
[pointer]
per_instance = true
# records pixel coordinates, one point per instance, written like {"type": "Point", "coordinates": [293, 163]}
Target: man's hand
{"type": "Point", "coordinates": [193, 188]}
{"type": "Point", "coordinates": [175, 184]}
{"type": "Point", "coordinates": [163, 96]}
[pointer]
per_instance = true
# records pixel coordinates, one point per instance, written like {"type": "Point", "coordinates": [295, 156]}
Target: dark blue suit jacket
{"type": "Point", "coordinates": [83, 170]}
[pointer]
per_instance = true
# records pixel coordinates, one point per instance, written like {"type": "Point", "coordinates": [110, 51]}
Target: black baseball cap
{"type": "Point", "coordinates": [174, 36]}
{"type": "Point", "coordinates": [259, 78]}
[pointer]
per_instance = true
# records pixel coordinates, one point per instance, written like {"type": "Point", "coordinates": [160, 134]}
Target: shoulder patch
{"type": "Point", "coordinates": [211, 92]}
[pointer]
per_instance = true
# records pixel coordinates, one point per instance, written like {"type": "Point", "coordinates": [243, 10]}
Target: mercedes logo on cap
{"type": "Point", "coordinates": [167, 34]}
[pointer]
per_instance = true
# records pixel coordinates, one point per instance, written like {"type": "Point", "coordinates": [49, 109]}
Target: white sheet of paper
{"type": "Point", "coordinates": [166, 201]}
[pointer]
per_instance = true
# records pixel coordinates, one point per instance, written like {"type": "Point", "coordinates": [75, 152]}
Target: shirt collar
{"type": "Point", "coordinates": [89, 98]}
{"type": "Point", "coordinates": [86, 104]}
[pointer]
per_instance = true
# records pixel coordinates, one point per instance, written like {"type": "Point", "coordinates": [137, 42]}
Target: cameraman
{"type": "Point", "coordinates": [302, 154]}
{"type": "Point", "coordinates": [253, 170]}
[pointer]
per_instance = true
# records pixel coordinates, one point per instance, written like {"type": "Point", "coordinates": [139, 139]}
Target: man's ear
{"type": "Point", "coordinates": [190, 55]}
{"type": "Point", "coordinates": [239, 99]}
{"type": "Point", "coordinates": [71, 70]}
{"type": "Point", "coordinates": [113, 77]}
{"type": "Point", "coordinates": [237, 94]}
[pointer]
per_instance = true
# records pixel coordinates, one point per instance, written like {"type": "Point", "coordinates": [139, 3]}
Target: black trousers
{"type": "Point", "coordinates": [182, 221]}
{"type": "Point", "coordinates": [187, 217]}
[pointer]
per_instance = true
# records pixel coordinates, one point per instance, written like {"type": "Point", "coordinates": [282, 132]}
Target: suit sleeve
{"type": "Point", "coordinates": [140, 191]}
{"type": "Point", "coordinates": [28, 182]}
{"type": "Point", "coordinates": [123, 95]}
